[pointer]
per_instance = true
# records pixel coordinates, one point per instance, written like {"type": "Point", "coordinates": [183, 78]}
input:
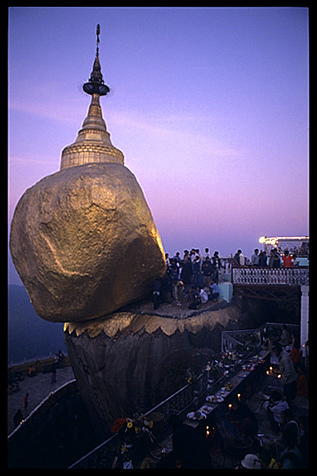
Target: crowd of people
{"type": "Point", "coordinates": [195, 277]}
{"type": "Point", "coordinates": [289, 448]}
{"type": "Point", "coordinates": [276, 259]}
{"type": "Point", "coordinates": [192, 279]}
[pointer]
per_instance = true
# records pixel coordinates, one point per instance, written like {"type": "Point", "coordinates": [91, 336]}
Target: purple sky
{"type": "Point", "coordinates": [208, 105]}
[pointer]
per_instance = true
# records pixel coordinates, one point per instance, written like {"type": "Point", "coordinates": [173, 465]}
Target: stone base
{"type": "Point", "coordinates": [129, 362]}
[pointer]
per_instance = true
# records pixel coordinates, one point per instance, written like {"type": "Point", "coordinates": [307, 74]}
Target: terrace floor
{"type": "Point", "coordinates": [38, 388]}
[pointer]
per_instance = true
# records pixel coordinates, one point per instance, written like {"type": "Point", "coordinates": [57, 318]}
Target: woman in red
{"type": "Point", "coordinates": [287, 259]}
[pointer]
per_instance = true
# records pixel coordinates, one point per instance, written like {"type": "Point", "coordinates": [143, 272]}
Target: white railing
{"type": "Point", "coordinates": [247, 275]}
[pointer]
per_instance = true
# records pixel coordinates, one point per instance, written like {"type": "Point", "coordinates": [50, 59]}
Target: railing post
{"type": "Point", "coordinates": [304, 322]}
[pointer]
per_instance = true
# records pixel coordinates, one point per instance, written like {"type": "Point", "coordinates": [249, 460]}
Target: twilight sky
{"type": "Point", "coordinates": [208, 105]}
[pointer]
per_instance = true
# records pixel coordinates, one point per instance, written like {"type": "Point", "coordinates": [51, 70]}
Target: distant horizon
{"type": "Point", "coordinates": [28, 335]}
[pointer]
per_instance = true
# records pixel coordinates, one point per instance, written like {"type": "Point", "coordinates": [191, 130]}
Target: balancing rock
{"type": "Point", "coordinates": [84, 242]}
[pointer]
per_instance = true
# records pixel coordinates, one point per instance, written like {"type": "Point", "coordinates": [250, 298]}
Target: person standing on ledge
{"type": "Point", "coordinates": [255, 258]}
{"type": "Point", "coordinates": [26, 401]}
{"type": "Point", "coordinates": [237, 258]}
{"type": "Point", "coordinates": [287, 259]}
{"type": "Point", "coordinates": [289, 374]}
{"type": "Point", "coordinates": [156, 292]}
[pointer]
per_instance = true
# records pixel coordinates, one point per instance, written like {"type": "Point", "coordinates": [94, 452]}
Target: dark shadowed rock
{"type": "Point", "coordinates": [129, 362]}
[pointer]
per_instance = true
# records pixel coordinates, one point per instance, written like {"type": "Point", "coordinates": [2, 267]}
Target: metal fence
{"type": "Point", "coordinates": [232, 340]}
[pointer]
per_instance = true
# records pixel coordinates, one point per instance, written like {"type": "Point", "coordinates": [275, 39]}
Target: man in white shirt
{"type": "Point", "coordinates": [274, 406]}
{"type": "Point", "coordinates": [255, 258]}
{"type": "Point", "coordinates": [203, 296]}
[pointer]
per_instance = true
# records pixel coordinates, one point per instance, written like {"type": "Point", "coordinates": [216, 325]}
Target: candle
{"type": "Point", "coordinates": [230, 406]}
{"type": "Point", "coordinates": [239, 396]}
{"type": "Point", "coordinates": [207, 431]}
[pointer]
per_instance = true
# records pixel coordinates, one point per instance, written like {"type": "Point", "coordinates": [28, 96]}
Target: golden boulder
{"type": "Point", "coordinates": [84, 242]}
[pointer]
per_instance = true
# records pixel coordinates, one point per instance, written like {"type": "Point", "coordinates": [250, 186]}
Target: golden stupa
{"type": "Point", "coordinates": [93, 144]}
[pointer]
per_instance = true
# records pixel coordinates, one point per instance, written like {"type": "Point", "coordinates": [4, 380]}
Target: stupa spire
{"type": "Point", "coordinates": [96, 83]}
{"type": "Point", "coordinates": [93, 144]}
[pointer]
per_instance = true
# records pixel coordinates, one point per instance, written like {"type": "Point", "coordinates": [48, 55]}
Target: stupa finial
{"type": "Point", "coordinates": [96, 83]}
{"type": "Point", "coordinates": [98, 40]}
